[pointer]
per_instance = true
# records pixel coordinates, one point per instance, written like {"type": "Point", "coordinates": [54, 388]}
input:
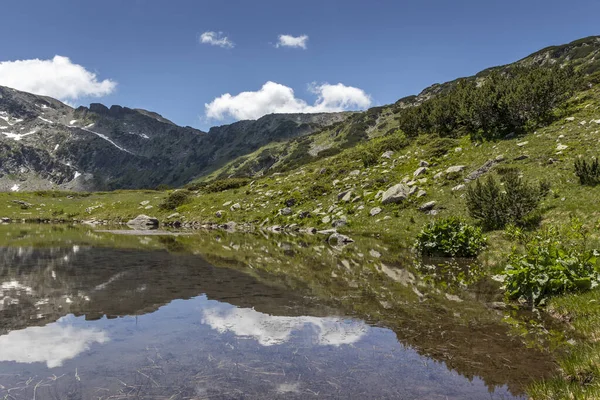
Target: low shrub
{"type": "Point", "coordinates": [174, 200]}
{"type": "Point", "coordinates": [512, 200]}
{"type": "Point", "coordinates": [553, 263]}
{"type": "Point", "coordinates": [225, 184]}
{"type": "Point", "coordinates": [588, 172]}
{"type": "Point", "coordinates": [450, 237]}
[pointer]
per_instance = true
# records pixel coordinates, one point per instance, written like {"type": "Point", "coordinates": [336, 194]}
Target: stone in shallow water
{"type": "Point", "coordinates": [143, 222]}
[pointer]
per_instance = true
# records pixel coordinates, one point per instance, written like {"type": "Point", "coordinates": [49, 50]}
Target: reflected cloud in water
{"type": "Point", "coordinates": [269, 330]}
{"type": "Point", "coordinates": [52, 344]}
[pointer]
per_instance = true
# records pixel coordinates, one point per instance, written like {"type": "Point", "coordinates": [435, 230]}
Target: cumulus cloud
{"type": "Point", "coordinates": [216, 39]}
{"type": "Point", "coordinates": [277, 98]}
{"type": "Point", "coordinates": [59, 78]}
{"type": "Point", "coordinates": [292, 41]}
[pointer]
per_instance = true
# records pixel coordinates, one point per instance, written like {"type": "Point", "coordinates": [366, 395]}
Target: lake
{"type": "Point", "coordinates": [97, 315]}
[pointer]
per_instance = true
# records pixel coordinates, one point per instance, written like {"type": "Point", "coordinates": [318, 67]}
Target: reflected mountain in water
{"type": "Point", "coordinates": [62, 287]}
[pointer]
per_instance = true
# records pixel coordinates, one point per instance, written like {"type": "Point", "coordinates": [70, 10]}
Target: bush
{"type": "Point", "coordinates": [552, 264]}
{"type": "Point", "coordinates": [588, 172]}
{"type": "Point", "coordinates": [450, 237]}
{"type": "Point", "coordinates": [175, 200]}
{"type": "Point", "coordinates": [515, 202]}
{"type": "Point", "coordinates": [225, 184]}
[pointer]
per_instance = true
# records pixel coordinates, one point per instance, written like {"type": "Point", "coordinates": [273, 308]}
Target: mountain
{"type": "Point", "coordinates": [582, 54]}
{"type": "Point", "coordinates": [46, 144]}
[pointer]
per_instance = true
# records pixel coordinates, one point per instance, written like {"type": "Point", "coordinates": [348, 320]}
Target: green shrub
{"type": "Point", "coordinates": [552, 264]}
{"type": "Point", "coordinates": [174, 200]}
{"type": "Point", "coordinates": [368, 158]}
{"type": "Point", "coordinates": [450, 237]}
{"type": "Point", "coordinates": [511, 201]}
{"type": "Point", "coordinates": [225, 184]}
{"type": "Point", "coordinates": [588, 172]}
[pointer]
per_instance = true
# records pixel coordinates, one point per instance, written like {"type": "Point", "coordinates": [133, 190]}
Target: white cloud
{"type": "Point", "coordinates": [59, 78]}
{"type": "Point", "coordinates": [292, 41]}
{"type": "Point", "coordinates": [216, 39]}
{"type": "Point", "coordinates": [53, 344]}
{"type": "Point", "coordinates": [269, 330]}
{"type": "Point", "coordinates": [276, 98]}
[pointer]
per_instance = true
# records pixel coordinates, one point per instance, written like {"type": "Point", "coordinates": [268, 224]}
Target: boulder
{"type": "Point", "coordinates": [143, 222]}
{"type": "Point", "coordinates": [285, 211]}
{"type": "Point", "coordinates": [421, 193]}
{"type": "Point", "coordinates": [455, 169]}
{"type": "Point", "coordinates": [235, 207]}
{"type": "Point", "coordinates": [427, 206]}
{"type": "Point", "coordinates": [374, 211]}
{"type": "Point", "coordinates": [395, 194]}
{"type": "Point", "coordinates": [423, 163]}
{"type": "Point", "coordinates": [420, 171]}
{"type": "Point", "coordinates": [347, 197]}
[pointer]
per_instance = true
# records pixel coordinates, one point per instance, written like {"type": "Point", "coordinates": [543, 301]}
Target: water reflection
{"type": "Point", "coordinates": [269, 330]}
{"type": "Point", "coordinates": [52, 344]}
{"type": "Point", "coordinates": [238, 316]}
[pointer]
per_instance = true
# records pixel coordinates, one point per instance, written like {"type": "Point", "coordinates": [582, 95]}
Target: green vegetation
{"type": "Point", "coordinates": [174, 200]}
{"type": "Point", "coordinates": [225, 184]}
{"type": "Point", "coordinates": [450, 237]}
{"type": "Point", "coordinates": [516, 99]}
{"type": "Point", "coordinates": [511, 201]}
{"type": "Point", "coordinates": [553, 262]}
{"type": "Point", "coordinates": [588, 172]}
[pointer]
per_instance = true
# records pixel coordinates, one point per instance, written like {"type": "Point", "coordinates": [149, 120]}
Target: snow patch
{"type": "Point", "coordinates": [56, 147]}
{"type": "Point", "coordinates": [105, 138]}
{"type": "Point", "coordinates": [45, 120]}
{"type": "Point", "coordinates": [6, 117]}
{"type": "Point", "coordinates": [71, 122]}
{"type": "Point", "coordinates": [42, 106]}
{"type": "Point", "coordinates": [14, 188]}
{"type": "Point", "coordinates": [17, 136]}
{"type": "Point", "coordinates": [77, 174]}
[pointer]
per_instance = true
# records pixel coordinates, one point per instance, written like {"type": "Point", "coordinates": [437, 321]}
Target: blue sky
{"type": "Point", "coordinates": [153, 56]}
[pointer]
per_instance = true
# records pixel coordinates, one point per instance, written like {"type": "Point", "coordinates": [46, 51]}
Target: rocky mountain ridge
{"type": "Point", "coordinates": [45, 144]}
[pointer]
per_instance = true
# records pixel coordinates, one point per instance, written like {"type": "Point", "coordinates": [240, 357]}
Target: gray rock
{"type": "Point", "coordinates": [455, 169]}
{"type": "Point", "coordinates": [326, 219]}
{"type": "Point", "coordinates": [421, 193]}
{"type": "Point", "coordinates": [458, 187]}
{"type": "Point", "coordinates": [338, 223]}
{"type": "Point", "coordinates": [143, 222]}
{"type": "Point", "coordinates": [235, 207]}
{"type": "Point", "coordinates": [427, 206]}
{"type": "Point", "coordinates": [489, 164]}
{"type": "Point", "coordinates": [290, 202]}
{"type": "Point", "coordinates": [347, 197]}
{"type": "Point", "coordinates": [423, 163]}
{"type": "Point", "coordinates": [144, 203]}
{"type": "Point", "coordinates": [174, 215]}
{"type": "Point", "coordinates": [420, 171]}
{"type": "Point", "coordinates": [219, 213]}
{"type": "Point", "coordinates": [286, 211]}
{"type": "Point", "coordinates": [355, 172]}
{"type": "Point", "coordinates": [521, 157]}
{"type": "Point", "coordinates": [388, 154]}
{"type": "Point", "coordinates": [413, 190]}
{"type": "Point", "coordinates": [374, 211]}
{"type": "Point", "coordinates": [395, 194]}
